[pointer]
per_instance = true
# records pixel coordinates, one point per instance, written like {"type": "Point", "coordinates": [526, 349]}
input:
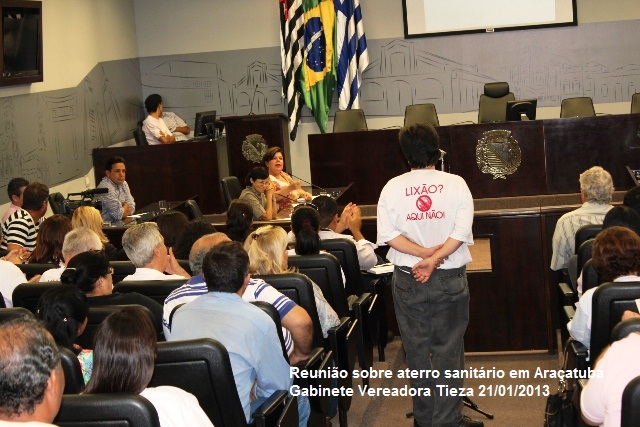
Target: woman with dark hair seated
{"type": "Point", "coordinates": [63, 311]}
{"type": "Point", "coordinates": [123, 362]}
{"type": "Point", "coordinates": [90, 272]}
{"type": "Point", "coordinates": [259, 194]}
{"type": "Point", "coordinates": [305, 224]}
{"type": "Point", "coordinates": [49, 240]}
{"type": "Point", "coordinates": [171, 225]}
{"type": "Point", "coordinates": [239, 221]}
{"type": "Point", "coordinates": [616, 258]}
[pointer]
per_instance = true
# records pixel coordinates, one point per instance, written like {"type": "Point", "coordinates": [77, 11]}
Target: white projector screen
{"type": "Point", "coordinates": [424, 18]}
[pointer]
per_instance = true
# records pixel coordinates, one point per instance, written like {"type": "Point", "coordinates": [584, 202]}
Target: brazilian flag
{"type": "Point", "coordinates": [318, 77]}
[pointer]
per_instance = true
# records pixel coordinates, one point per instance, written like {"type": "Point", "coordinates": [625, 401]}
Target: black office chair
{"type": "Point", "coordinates": [96, 315]}
{"type": "Point", "coordinates": [299, 289]}
{"type": "Point", "coordinates": [27, 294]}
{"type": "Point", "coordinates": [140, 137]}
{"type": "Point", "coordinates": [344, 344]}
{"type": "Point", "coordinates": [421, 113]}
{"type": "Point", "coordinates": [231, 188]}
{"type": "Point", "coordinates": [157, 290]}
{"type": "Point", "coordinates": [180, 362]}
{"type": "Point", "coordinates": [635, 103]}
{"type": "Point", "coordinates": [492, 106]}
{"type": "Point", "coordinates": [272, 312]}
{"type": "Point", "coordinates": [584, 253]}
{"type": "Point", "coordinates": [54, 202]}
{"type": "Point", "coordinates": [73, 381]}
{"type": "Point", "coordinates": [193, 210]}
{"type": "Point", "coordinates": [349, 121]}
{"type": "Point", "coordinates": [630, 412]}
{"type": "Point", "coordinates": [121, 269]}
{"type": "Point", "coordinates": [106, 409]}
{"type": "Point", "coordinates": [610, 300]}
{"type": "Point", "coordinates": [590, 277]}
{"type": "Point", "coordinates": [581, 106]}
{"type": "Point", "coordinates": [31, 270]}
{"type": "Point", "coordinates": [624, 328]}
{"type": "Point", "coordinates": [586, 232]}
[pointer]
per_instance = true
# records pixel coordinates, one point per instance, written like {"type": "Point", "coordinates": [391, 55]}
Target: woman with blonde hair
{"type": "Point", "coordinates": [267, 249]}
{"type": "Point", "coordinates": [88, 216]}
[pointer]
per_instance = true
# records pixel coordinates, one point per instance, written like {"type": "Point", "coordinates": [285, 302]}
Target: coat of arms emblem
{"type": "Point", "coordinates": [498, 153]}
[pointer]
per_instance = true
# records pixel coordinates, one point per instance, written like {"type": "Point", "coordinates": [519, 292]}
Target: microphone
{"type": "Point", "coordinates": [253, 98]}
{"type": "Point", "coordinates": [95, 191]}
{"type": "Point", "coordinates": [332, 194]}
{"type": "Point", "coordinates": [442, 154]}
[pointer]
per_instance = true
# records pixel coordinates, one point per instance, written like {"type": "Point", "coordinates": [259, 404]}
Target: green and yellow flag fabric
{"type": "Point", "coordinates": [318, 77]}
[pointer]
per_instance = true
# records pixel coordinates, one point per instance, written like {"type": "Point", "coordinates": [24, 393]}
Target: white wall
{"type": "Point", "coordinates": [77, 35]}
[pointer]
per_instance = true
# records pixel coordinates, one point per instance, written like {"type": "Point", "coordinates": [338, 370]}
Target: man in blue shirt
{"type": "Point", "coordinates": [118, 203]}
{"type": "Point", "coordinates": [248, 334]}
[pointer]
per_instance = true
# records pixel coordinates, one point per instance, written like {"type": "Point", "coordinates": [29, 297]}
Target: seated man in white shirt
{"type": "Point", "coordinates": [78, 240]}
{"type": "Point", "coordinates": [331, 227]}
{"type": "Point", "coordinates": [176, 125]}
{"type": "Point", "coordinates": [144, 245]}
{"type": "Point", "coordinates": [154, 127]}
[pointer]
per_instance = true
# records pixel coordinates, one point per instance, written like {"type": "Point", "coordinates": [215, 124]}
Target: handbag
{"type": "Point", "coordinates": [559, 410]}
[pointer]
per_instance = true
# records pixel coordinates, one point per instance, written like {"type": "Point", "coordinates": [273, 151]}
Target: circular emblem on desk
{"type": "Point", "coordinates": [498, 153]}
{"type": "Point", "coordinates": [253, 148]}
{"type": "Point", "coordinates": [423, 203]}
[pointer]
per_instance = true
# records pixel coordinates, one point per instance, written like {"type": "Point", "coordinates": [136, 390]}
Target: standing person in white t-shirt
{"type": "Point", "coordinates": [154, 127]}
{"type": "Point", "coordinates": [426, 215]}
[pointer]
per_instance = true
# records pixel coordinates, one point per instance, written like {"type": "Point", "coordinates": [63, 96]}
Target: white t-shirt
{"type": "Point", "coordinates": [176, 407]}
{"type": "Point", "coordinates": [426, 206]}
{"type": "Point", "coordinates": [152, 128]}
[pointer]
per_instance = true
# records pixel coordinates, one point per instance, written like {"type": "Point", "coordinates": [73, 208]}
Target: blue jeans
{"type": "Point", "coordinates": [304, 409]}
{"type": "Point", "coordinates": [433, 318]}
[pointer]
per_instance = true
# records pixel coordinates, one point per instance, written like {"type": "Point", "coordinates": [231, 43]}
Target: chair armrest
{"type": "Point", "coordinates": [271, 409]}
{"type": "Point", "coordinates": [578, 351]}
{"type": "Point", "coordinates": [567, 294]}
{"type": "Point", "coordinates": [569, 312]}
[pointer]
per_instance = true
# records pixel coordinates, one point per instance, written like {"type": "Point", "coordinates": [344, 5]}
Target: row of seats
{"type": "Point", "coordinates": [492, 108]}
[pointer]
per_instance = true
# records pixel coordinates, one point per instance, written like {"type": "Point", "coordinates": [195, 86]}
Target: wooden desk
{"type": "Point", "coordinates": [554, 153]}
{"type": "Point", "coordinates": [168, 172]}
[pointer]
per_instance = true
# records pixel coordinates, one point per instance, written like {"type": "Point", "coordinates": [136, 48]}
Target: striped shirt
{"type": "Point", "coordinates": [257, 290]}
{"type": "Point", "coordinates": [564, 236]}
{"type": "Point", "coordinates": [112, 210]}
{"type": "Point", "coordinates": [20, 229]}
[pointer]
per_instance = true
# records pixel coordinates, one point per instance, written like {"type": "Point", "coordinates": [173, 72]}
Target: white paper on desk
{"type": "Point", "coordinates": [381, 269]}
{"type": "Point", "coordinates": [134, 216]}
{"type": "Point", "coordinates": [638, 304]}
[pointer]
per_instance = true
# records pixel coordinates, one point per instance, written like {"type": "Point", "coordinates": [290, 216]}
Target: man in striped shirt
{"type": "Point", "coordinates": [596, 190]}
{"type": "Point", "coordinates": [296, 323]}
{"type": "Point", "coordinates": [19, 231]}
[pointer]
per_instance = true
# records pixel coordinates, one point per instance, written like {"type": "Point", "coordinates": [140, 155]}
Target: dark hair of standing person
{"type": "Point", "coordinates": [84, 270]}
{"type": "Point", "coordinates": [63, 310]}
{"type": "Point", "coordinates": [49, 240]}
{"type": "Point", "coordinates": [305, 225]}
{"type": "Point", "coordinates": [171, 225]}
{"type": "Point", "coordinates": [239, 221]}
{"type": "Point", "coordinates": [419, 144]}
{"type": "Point", "coordinates": [124, 353]}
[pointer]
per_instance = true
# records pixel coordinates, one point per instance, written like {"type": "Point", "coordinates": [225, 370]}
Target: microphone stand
{"type": "Point", "coordinates": [331, 193]}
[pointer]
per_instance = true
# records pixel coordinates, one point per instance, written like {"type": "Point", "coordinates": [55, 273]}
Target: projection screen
{"type": "Point", "coordinates": [425, 18]}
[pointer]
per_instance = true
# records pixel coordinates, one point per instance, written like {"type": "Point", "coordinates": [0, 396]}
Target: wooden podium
{"type": "Point", "coordinates": [272, 127]}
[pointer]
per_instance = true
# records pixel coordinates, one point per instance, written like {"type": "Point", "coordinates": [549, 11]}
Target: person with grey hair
{"type": "Point", "coordinates": [297, 327]}
{"type": "Point", "coordinates": [145, 247]}
{"type": "Point", "coordinates": [596, 190]}
{"type": "Point", "coordinates": [81, 239]}
{"type": "Point", "coordinates": [31, 376]}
